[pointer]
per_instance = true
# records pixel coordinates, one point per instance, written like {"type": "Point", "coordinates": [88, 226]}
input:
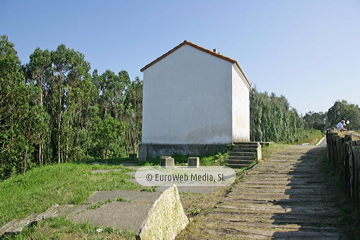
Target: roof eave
{"type": "Point", "coordinates": [201, 49]}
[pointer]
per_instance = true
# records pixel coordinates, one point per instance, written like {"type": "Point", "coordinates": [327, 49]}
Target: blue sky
{"type": "Point", "coordinates": [306, 50]}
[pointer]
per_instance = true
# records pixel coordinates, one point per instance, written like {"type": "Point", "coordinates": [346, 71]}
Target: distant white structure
{"type": "Point", "coordinates": [193, 97]}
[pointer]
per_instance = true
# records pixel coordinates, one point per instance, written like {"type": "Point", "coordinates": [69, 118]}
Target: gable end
{"type": "Point", "coordinates": [201, 49]}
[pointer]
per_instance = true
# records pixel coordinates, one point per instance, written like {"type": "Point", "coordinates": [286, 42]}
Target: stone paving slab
{"type": "Point", "coordinates": [17, 225]}
{"type": "Point", "coordinates": [124, 215]}
{"type": "Point", "coordinates": [119, 215]}
{"type": "Point", "coordinates": [129, 195]}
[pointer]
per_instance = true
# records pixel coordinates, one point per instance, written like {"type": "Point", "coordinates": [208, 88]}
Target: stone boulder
{"type": "Point", "coordinates": [165, 219]}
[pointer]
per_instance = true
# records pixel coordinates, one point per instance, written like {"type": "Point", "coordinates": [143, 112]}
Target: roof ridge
{"type": "Point", "coordinates": [186, 42]}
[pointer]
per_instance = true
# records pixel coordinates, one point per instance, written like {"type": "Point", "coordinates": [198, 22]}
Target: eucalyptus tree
{"type": "Point", "coordinates": [256, 112]}
{"type": "Point", "coordinates": [111, 104]}
{"type": "Point", "coordinates": [112, 87]}
{"type": "Point", "coordinates": [38, 72]}
{"type": "Point", "coordinates": [53, 110]}
{"type": "Point", "coordinates": [272, 118]}
{"type": "Point", "coordinates": [70, 90]}
{"type": "Point", "coordinates": [133, 112]}
{"type": "Point", "coordinates": [13, 109]}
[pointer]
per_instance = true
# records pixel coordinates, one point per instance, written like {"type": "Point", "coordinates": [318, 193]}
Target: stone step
{"type": "Point", "coordinates": [248, 233]}
{"type": "Point", "coordinates": [245, 143]}
{"type": "Point", "coordinates": [285, 171]}
{"type": "Point", "coordinates": [273, 224]}
{"type": "Point", "coordinates": [273, 165]}
{"type": "Point", "coordinates": [288, 174]}
{"type": "Point", "coordinates": [270, 187]}
{"type": "Point", "coordinates": [285, 182]}
{"type": "Point", "coordinates": [242, 153]}
{"type": "Point", "coordinates": [288, 191]}
{"type": "Point", "coordinates": [279, 209]}
{"type": "Point", "coordinates": [279, 176]}
{"type": "Point", "coordinates": [286, 202]}
{"type": "Point", "coordinates": [283, 197]}
{"type": "Point", "coordinates": [232, 210]}
{"type": "Point", "coordinates": [287, 163]}
{"type": "Point", "coordinates": [314, 201]}
{"type": "Point", "coordinates": [244, 149]}
{"type": "Point", "coordinates": [236, 165]}
{"type": "Point", "coordinates": [241, 158]}
{"type": "Point", "coordinates": [268, 217]}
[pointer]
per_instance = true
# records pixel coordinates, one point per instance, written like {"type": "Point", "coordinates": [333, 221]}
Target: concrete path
{"type": "Point", "coordinates": [283, 197]}
{"type": "Point", "coordinates": [128, 212]}
{"type": "Point", "coordinates": [322, 142]}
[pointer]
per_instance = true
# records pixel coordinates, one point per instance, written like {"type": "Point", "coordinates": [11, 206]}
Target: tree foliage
{"type": "Point", "coordinates": [14, 112]}
{"type": "Point", "coordinates": [343, 109]}
{"type": "Point", "coordinates": [53, 110]}
{"type": "Point", "coordinates": [272, 118]}
{"type": "Point", "coordinates": [315, 120]}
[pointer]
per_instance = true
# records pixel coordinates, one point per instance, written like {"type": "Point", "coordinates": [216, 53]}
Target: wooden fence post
{"type": "Point", "coordinates": [344, 156]}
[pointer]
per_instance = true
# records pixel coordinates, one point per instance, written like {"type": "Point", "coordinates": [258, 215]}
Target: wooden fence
{"type": "Point", "coordinates": [343, 154]}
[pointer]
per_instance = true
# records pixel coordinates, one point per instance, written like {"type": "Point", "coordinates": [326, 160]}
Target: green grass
{"type": "Point", "coordinates": [311, 136]}
{"type": "Point", "coordinates": [272, 148]}
{"type": "Point", "coordinates": [61, 228]}
{"type": "Point", "coordinates": [96, 206]}
{"type": "Point", "coordinates": [120, 199]}
{"type": "Point", "coordinates": [109, 161]}
{"type": "Point", "coordinates": [67, 183]}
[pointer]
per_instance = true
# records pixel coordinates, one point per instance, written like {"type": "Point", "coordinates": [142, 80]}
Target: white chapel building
{"type": "Point", "coordinates": [194, 101]}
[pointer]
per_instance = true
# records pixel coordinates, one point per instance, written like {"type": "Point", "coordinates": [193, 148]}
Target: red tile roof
{"type": "Point", "coordinates": [199, 48]}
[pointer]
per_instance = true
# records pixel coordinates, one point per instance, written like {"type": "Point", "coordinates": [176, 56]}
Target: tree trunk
{"type": "Point", "coordinates": [58, 141]}
{"type": "Point", "coordinates": [39, 154]}
{"type": "Point", "coordinates": [25, 160]}
{"type": "Point", "coordinates": [67, 149]}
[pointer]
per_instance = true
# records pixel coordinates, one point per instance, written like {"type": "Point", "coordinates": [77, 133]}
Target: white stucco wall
{"type": "Point", "coordinates": [240, 106]}
{"type": "Point", "coordinates": [187, 99]}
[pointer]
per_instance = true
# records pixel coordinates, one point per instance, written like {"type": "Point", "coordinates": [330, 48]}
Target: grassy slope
{"type": "Point", "coordinates": [38, 189]}
{"type": "Point", "coordinates": [312, 136]}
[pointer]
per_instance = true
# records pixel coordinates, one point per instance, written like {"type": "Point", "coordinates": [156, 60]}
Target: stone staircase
{"type": "Point", "coordinates": [243, 154]}
{"type": "Point", "coordinates": [287, 196]}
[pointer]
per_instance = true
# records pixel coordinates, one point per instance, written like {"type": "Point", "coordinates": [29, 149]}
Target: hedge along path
{"type": "Point", "coordinates": [287, 195]}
